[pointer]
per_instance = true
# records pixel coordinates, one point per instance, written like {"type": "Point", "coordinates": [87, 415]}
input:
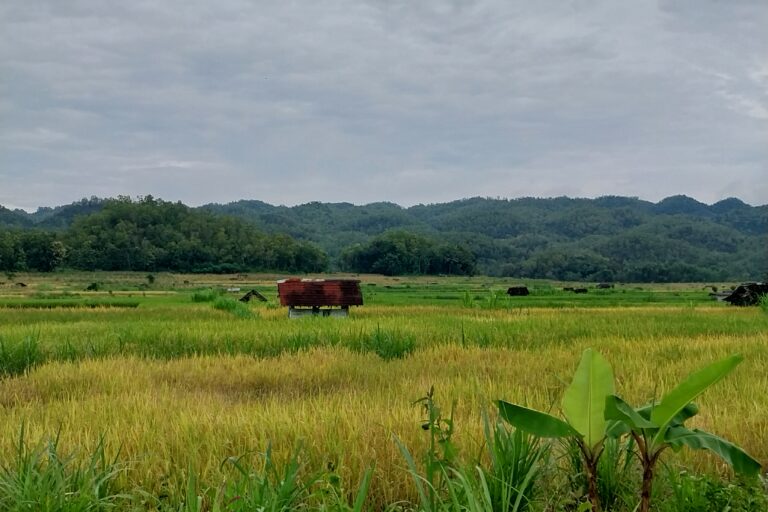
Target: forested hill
{"type": "Point", "coordinates": [611, 237]}
{"type": "Point", "coordinates": [608, 238]}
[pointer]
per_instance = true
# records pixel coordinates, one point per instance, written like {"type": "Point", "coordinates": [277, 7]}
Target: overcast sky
{"type": "Point", "coordinates": [412, 102]}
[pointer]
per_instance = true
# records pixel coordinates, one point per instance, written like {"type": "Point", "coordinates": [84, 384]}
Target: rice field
{"type": "Point", "coordinates": [174, 387]}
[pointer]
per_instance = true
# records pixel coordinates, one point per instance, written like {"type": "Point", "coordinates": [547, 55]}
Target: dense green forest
{"type": "Point", "coordinates": [152, 235]}
{"type": "Point", "coordinates": [608, 238]}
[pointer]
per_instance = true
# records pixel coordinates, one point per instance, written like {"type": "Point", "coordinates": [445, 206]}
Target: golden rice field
{"type": "Point", "coordinates": [177, 386]}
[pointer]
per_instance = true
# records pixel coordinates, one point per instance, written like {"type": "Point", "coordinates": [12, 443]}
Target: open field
{"type": "Point", "coordinates": [175, 385]}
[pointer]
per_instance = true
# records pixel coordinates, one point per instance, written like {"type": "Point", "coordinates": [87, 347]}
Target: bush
{"type": "Point", "coordinates": [233, 306]}
{"type": "Point", "coordinates": [387, 345]}
{"type": "Point", "coordinates": [206, 295]}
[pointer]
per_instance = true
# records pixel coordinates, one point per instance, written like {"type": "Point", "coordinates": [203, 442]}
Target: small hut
{"type": "Point", "coordinates": [319, 297]}
{"type": "Point", "coordinates": [253, 294]}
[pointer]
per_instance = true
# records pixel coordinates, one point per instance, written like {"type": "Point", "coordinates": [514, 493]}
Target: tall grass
{"type": "Point", "coordinates": [233, 306]}
{"type": "Point", "coordinates": [517, 461]}
{"type": "Point", "coordinates": [45, 479]}
{"type": "Point", "coordinates": [18, 358]}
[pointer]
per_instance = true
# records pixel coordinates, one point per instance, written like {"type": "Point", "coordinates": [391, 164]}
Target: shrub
{"type": "Point", "coordinates": [233, 306]}
{"type": "Point", "coordinates": [208, 295]}
{"type": "Point", "coordinates": [387, 345]}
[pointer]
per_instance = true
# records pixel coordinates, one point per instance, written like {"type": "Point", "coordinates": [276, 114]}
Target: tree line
{"type": "Point", "coordinates": [604, 239]}
{"type": "Point", "coordinates": [154, 235]}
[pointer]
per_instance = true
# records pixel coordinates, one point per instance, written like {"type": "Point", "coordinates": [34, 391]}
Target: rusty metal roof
{"type": "Point", "coordinates": [319, 292]}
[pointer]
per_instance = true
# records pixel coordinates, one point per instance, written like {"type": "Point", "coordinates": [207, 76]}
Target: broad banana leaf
{"type": "Point", "coordinates": [687, 412]}
{"type": "Point", "coordinates": [534, 422]}
{"type": "Point", "coordinates": [619, 410]}
{"type": "Point", "coordinates": [584, 399]}
{"type": "Point", "coordinates": [729, 452]}
{"type": "Point", "coordinates": [674, 401]}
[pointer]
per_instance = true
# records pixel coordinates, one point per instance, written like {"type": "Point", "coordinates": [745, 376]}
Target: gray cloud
{"type": "Point", "coordinates": [363, 101]}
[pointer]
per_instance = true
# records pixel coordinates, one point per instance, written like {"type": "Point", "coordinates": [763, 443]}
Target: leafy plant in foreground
{"type": "Point", "coordinates": [656, 427]}
{"type": "Point", "coordinates": [268, 488]}
{"type": "Point", "coordinates": [42, 478]}
{"type": "Point", "coordinates": [684, 492]}
{"type": "Point", "coordinates": [516, 464]}
{"type": "Point", "coordinates": [440, 458]}
{"type": "Point", "coordinates": [583, 406]}
{"type": "Point", "coordinates": [444, 485]}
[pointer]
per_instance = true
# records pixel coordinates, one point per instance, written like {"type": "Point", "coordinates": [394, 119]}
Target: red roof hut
{"type": "Point", "coordinates": [308, 296]}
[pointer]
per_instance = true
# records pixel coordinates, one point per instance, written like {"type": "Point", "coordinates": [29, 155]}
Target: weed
{"type": "Point", "coordinates": [233, 306]}
{"type": "Point", "coordinates": [18, 358]}
{"type": "Point", "coordinates": [43, 479]}
{"type": "Point", "coordinates": [208, 295]}
{"type": "Point", "coordinates": [517, 460]}
{"type": "Point", "coordinates": [387, 345]}
{"type": "Point", "coordinates": [681, 491]}
{"type": "Point", "coordinates": [764, 303]}
{"type": "Point", "coordinates": [440, 457]}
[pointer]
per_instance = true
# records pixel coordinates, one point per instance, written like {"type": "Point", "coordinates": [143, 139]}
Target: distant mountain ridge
{"type": "Point", "coordinates": [555, 237]}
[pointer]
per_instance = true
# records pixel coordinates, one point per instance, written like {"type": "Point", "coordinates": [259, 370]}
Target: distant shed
{"type": "Point", "coordinates": [253, 294]}
{"type": "Point", "coordinates": [326, 297]}
{"type": "Point", "coordinates": [517, 291]}
{"type": "Point", "coordinates": [747, 294]}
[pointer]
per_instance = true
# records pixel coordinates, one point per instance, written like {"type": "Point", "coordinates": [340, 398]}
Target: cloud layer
{"type": "Point", "coordinates": [360, 101]}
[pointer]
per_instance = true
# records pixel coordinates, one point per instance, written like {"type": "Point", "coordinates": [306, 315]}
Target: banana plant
{"type": "Point", "coordinates": [583, 406]}
{"type": "Point", "coordinates": [659, 426]}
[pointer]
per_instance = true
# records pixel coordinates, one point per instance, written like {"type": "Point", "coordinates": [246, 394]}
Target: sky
{"type": "Point", "coordinates": [362, 101]}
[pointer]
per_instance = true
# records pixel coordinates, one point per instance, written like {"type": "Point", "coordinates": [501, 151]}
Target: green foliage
{"type": "Point", "coordinates": [400, 253]}
{"type": "Point", "coordinates": [18, 358]}
{"type": "Point", "coordinates": [509, 485]}
{"type": "Point", "coordinates": [440, 458]}
{"type": "Point", "coordinates": [657, 427]}
{"type": "Point", "coordinates": [233, 306]}
{"type": "Point", "coordinates": [267, 486]}
{"type": "Point", "coordinates": [617, 476]}
{"type": "Point", "coordinates": [208, 295]}
{"type": "Point", "coordinates": [30, 250]}
{"type": "Point", "coordinates": [535, 422]}
{"type": "Point", "coordinates": [150, 235]}
{"type": "Point", "coordinates": [386, 344]}
{"type": "Point", "coordinates": [584, 399]}
{"type": "Point", "coordinates": [604, 239]}
{"type": "Point", "coordinates": [517, 461]}
{"type": "Point", "coordinates": [660, 426]}
{"type": "Point", "coordinates": [584, 403]}
{"type": "Point", "coordinates": [676, 400]}
{"type": "Point", "coordinates": [681, 491]}
{"type": "Point", "coordinates": [43, 479]}
{"type": "Point", "coordinates": [583, 406]}
{"type": "Point", "coordinates": [764, 303]}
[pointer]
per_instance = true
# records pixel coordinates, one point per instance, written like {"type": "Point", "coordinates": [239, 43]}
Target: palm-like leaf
{"type": "Point", "coordinates": [584, 399]}
{"type": "Point", "coordinates": [700, 440]}
{"type": "Point", "coordinates": [677, 399]}
{"type": "Point", "coordinates": [534, 422]}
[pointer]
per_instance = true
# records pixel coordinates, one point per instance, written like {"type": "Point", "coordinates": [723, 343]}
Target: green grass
{"type": "Point", "coordinates": [68, 303]}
